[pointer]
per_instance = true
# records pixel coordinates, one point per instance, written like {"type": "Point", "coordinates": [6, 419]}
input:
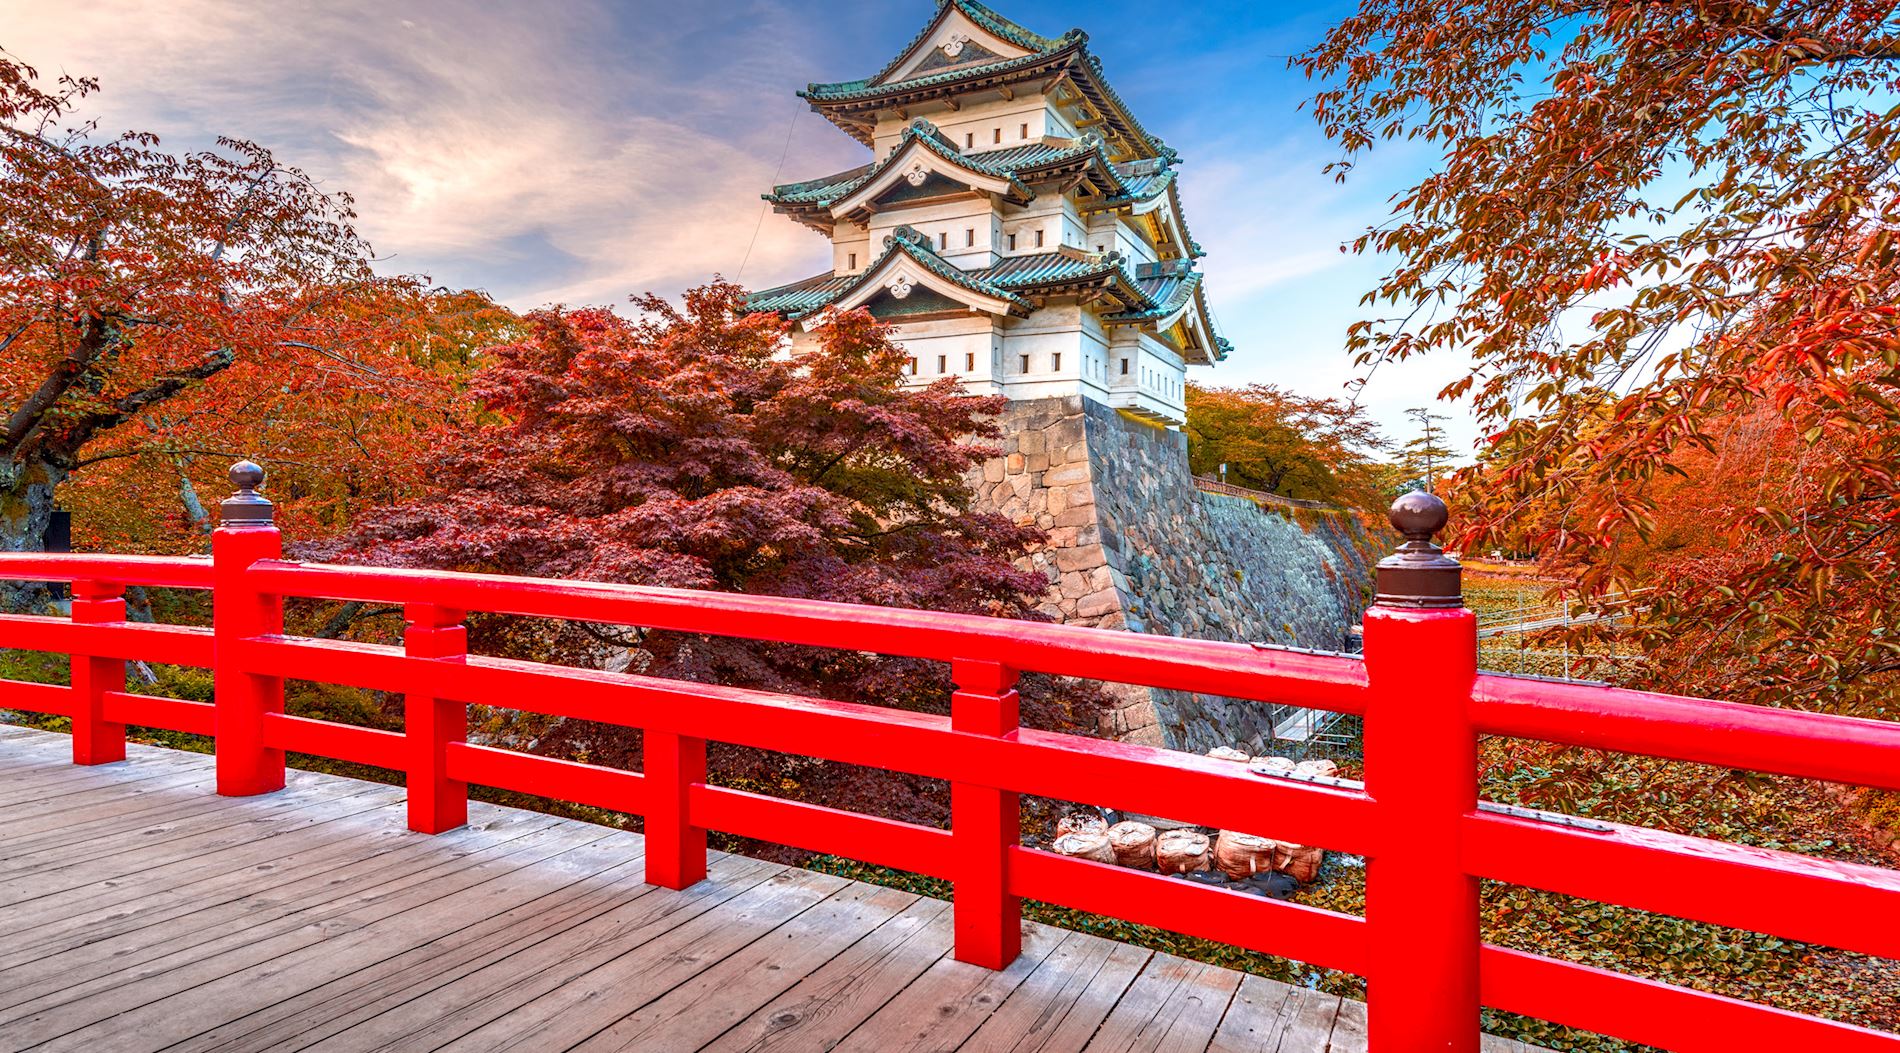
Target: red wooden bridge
{"type": "Point", "coordinates": [141, 910]}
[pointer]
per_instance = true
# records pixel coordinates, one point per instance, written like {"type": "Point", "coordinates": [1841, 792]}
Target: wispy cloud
{"type": "Point", "coordinates": [531, 149]}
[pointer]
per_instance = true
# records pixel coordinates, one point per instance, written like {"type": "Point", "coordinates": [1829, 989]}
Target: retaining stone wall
{"type": "Point", "coordinates": [1133, 544]}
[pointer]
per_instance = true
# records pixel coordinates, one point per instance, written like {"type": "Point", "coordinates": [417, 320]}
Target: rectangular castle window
{"type": "Point", "coordinates": [1039, 239]}
{"type": "Point", "coordinates": [854, 262]}
{"type": "Point", "coordinates": [943, 363]}
{"type": "Point", "coordinates": [999, 136]}
{"type": "Point", "coordinates": [969, 362]}
{"type": "Point", "coordinates": [969, 236]}
{"type": "Point", "coordinates": [913, 365]}
{"type": "Point", "coordinates": [1025, 131]}
{"type": "Point", "coordinates": [1012, 243]}
{"type": "Point", "coordinates": [1055, 362]}
{"type": "Point", "coordinates": [1025, 363]}
{"type": "Point", "coordinates": [969, 140]}
{"type": "Point", "coordinates": [943, 239]}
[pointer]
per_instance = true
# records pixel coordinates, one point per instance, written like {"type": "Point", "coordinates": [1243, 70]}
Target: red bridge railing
{"type": "Point", "coordinates": [1417, 818]}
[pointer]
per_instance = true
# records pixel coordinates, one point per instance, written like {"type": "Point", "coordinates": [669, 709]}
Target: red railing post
{"type": "Point", "coordinates": [96, 740]}
{"type": "Point", "coordinates": [245, 535]}
{"type": "Point", "coordinates": [436, 802]}
{"type": "Point", "coordinates": [985, 823]}
{"type": "Point", "coordinates": [1421, 654]}
{"type": "Point", "coordinates": [676, 849]}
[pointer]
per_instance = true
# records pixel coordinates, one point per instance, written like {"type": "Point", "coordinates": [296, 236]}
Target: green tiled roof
{"type": "Point", "coordinates": [821, 191]}
{"type": "Point", "coordinates": [868, 88]}
{"type": "Point", "coordinates": [802, 298]}
{"type": "Point", "coordinates": [1135, 181]}
{"type": "Point", "coordinates": [1047, 268]}
{"type": "Point", "coordinates": [830, 189]}
{"type": "Point", "coordinates": [1166, 293]}
{"type": "Point", "coordinates": [977, 13]}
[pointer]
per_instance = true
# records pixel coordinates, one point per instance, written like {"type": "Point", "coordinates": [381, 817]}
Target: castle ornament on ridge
{"type": "Point", "coordinates": [1047, 223]}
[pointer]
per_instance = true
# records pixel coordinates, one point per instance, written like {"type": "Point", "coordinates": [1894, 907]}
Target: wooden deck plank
{"type": "Point", "coordinates": [562, 859]}
{"type": "Point", "coordinates": [1174, 1006]}
{"type": "Point", "coordinates": [1252, 1023]}
{"type": "Point", "coordinates": [44, 786]}
{"type": "Point", "coordinates": [331, 1007]}
{"type": "Point", "coordinates": [162, 844]}
{"type": "Point", "coordinates": [481, 995]}
{"type": "Point", "coordinates": [1349, 1028]}
{"type": "Point", "coordinates": [126, 998]}
{"type": "Point", "coordinates": [253, 918]}
{"type": "Point", "coordinates": [1306, 1021]}
{"type": "Point", "coordinates": [945, 1005]}
{"type": "Point", "coordinates": [309, 896]}
{"type": "Point", "coordinates": [591, 1001]}
{"type": "Point", "coordinates": [319, 837]}
{"type": "Point", "coordinates": [821, 1009]}
{"type": "Point", "coordinates": [699, 1010]}
{"type": "Point", "coordinates": [142, 913]}
{"type": "Point", "coordinates": [1065, 1000]}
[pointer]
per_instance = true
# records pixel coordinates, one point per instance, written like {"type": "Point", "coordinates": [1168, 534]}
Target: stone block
{"type": "Point", "coordinates": [1014, 463]}
{"type": "Point", "coordinates": [993, 470]}
{"type": "Point", "coordinates": [1030, 442]}
{"type": "Point", "coordinates": [1074, 517]}
{"type": "Point", "coordinates": [1079, 558]}
{"type": "Point", "coordinates": [1097, 604]}
{"type": "Point", "coordinates": [1058, 499]}
{"type": "Point", "coordinates": [1066, 475]}
{"type": "Point", "coordinates": [1037, 462]}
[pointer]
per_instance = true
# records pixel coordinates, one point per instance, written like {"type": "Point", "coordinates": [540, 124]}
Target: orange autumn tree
{"type": "Point", "coordinates": [173, 300]}
{"type": "Point", "coordinates": [1272, 439]}
{"type": "Point", "coordinates": [1664, 234]}
{"type": "Point", "coordinates": [358, 440]}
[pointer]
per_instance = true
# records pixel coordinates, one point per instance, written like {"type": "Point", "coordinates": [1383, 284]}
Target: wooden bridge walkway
{"type": "Point", "coordinates": [140, 911]}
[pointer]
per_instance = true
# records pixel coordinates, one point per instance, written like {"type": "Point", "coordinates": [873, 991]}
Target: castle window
{"type": "Point", "coordinates": [943, 363]}
{"type": "Point", "coordinates": [1055, 362]}
{"type": "Point", "coordinates": [1025, 131]}
{"type": "Point", "coordinates": [1039, 239]}
{"type": "Point", "coordinates": [969, 362]}
{"type": "Point", "coordinates": [969, 236]}
{"type": "Point", "coordinates": [969, 140]}
{"type": "Point", "coordinates": [1012, 243]}
{"type": "Point", "coordinates": [1124, 367]}
{"type": "Point", "coordinates": [1098, 248]}
{"type": "Point", "coordinates": [943, 239]}
{"type": "Point", "coordinates": [999, 136]}
{"type": "Point", "coordinates": [854, 262]}
{"type": "Point", "coordinates": [1025, 363]}
{"type": "Point", "coordinates": [913, 365]}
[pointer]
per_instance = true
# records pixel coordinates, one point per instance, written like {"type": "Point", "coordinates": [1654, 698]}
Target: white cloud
{"type": "Point", "coordinates": [509, 146]}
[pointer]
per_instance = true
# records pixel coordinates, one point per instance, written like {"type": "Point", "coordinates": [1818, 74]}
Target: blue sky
{"type": "Point", "coordinates": [577, 151]}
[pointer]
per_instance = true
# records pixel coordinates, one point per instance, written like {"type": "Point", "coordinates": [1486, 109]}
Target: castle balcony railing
{"type": "Point", "coordinates": [1417, 818]}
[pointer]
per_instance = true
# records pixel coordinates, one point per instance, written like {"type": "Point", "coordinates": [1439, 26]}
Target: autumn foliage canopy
{"type": "Point", "coordinates": [1665, 235]}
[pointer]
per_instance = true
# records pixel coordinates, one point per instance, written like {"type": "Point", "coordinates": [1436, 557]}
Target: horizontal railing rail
{"type": "Point", "coordinates": [1417, 820]}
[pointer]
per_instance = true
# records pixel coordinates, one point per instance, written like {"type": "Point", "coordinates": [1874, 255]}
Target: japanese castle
{"type": "Point", "coordinates": [1018, 225]}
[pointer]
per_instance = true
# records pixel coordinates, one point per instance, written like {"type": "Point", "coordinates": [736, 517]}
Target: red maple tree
{"type": "Point", "coordinates": [684, 448]}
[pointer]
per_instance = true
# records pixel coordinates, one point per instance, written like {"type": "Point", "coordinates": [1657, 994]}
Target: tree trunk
{"type": "Point", "coordinates": [26, 509]}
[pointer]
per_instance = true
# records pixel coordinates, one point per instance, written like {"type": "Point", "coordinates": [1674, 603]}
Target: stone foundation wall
{"type": "Point", "coordinates": [1133, 544]}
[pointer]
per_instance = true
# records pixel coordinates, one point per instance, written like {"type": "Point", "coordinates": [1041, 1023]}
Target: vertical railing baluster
{"type": "Point", "coordinates": [676, 849]}
{"type": "Point", "coordinates": [985, 823]}
{"type": "Point", "coordinates": [96, 740]}
{"type": "Point", "coordinates": [245, 535]}
{"type": "Point", "coordinates": [1421, 771]}
{"type": "Point", "coordinates": [430, 722]}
